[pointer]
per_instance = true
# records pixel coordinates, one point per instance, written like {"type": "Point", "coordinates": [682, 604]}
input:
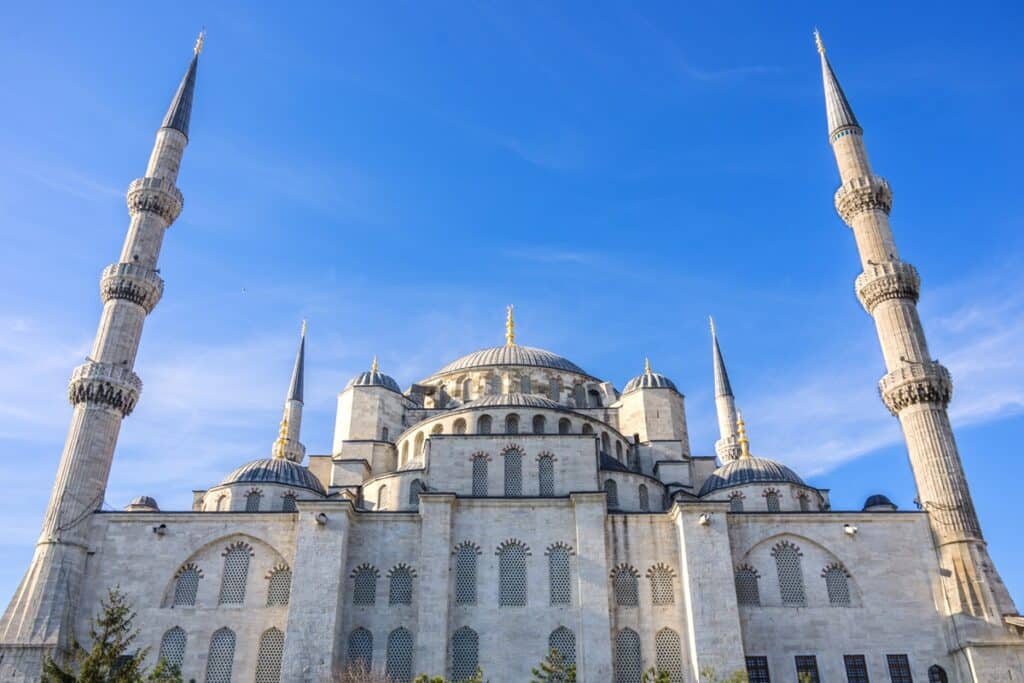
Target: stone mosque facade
{"type": "Point", "coordinates": [512, 502]}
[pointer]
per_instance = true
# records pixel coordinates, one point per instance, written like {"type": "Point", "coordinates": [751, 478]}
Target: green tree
{"type": "Point", "coordinates": [477, 677]}
{"type": "Point", "coordinates": [653, 675]}
{"type": "Point", "coordinates": [110, 660]}
{"type": "Point", "coordinates": [708, 674]}
{"type": "Point", "coordinates": [554, 669]}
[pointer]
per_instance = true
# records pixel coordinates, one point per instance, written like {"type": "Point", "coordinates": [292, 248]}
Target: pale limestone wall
{"type": "Point", "coordinates": [628, 485]}
{"type": "Point", "coordinates": [654, 414]}
{"type": "Point", "coordinates": [754, 497]}
{"type": "Point", "coordinates": [363, 414]}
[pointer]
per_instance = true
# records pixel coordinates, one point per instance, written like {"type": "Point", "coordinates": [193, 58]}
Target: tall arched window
{"type": "Point", "coordinates": [555, 389]}
{"type": "Point", "coordinates": [563, 641]}
{"type": "Point", "coordinates": [360, 648]}
{"type": "Point", "coordinates": [400, 589]}
{"type": "Point", "coordinates": [736, 502]}
{"type": "Point", "coordinates": [606, 443]}
{"type": "Point", "coordinates": [512, 574]}
{"type": "Point", "coordinates": [172, 647]}
{"type": "Point", "coordinates": [404, 458]}
{"type": "Point", "coordinates": [837, 584]}
{"type": "Point", "coordinates": [480, 474]}
{"type": "Point", "coordinates": [465, 574]}
{"type": "Point", "coordinates": [546, 474]}
{"type": "Point", "coordinates": [645, 499]}
{"type": "Point", "coordinates": [747, 592]}
{"type": "Point", "coordinates": [668, 654]}
{"type": "Point", "coordinates": [612, 491]}
{"type": "Point", "coordinates": [222, 502]}
{"type": "Point", "coordinates": [268, 656]}
{"type": "Point", "coordinates": [511, 423]}
{"type": "Point", "coordinates": [564, 426]}
{"type": "Point", "coordinates": [624, 586]}
{"type": "Point", "coordinates": [587, 428]}
{"type": "Point", "coordinates": [791, 575]}
{"type": "Point", "coordinates": [618, 451]}
{"type": "Point", "coordinates": [483, 424]}
{"type": "Point", "coordinates": [579, 396]}
{"type": "Point", "coordinates": [418, 450]}
{"type": "Point", "coordinates": [382, 497]}
{"type": "Point", "coordinates": [539, 424]}
{"type": "Point", "coordinates": [594, 398]}
{"type": "Point", "coordinates": [186, 586]}
{"type": "Point", "coordinates": [771, 499]}
{"type": "Point", "coordinates": [526, 384]}
{"type": "Point", "coordinates": [558, 575]}
{"type": "Point", "coordinates": [236, 572]}
{"type": "Point", "coordinates": [437, 429]}
{"type": "Point", "coordinates": [399, 656]}
{"type": "Point", "coordinates": [365, 586]}
{"type": "Point", "coordinates": [252, 501]}
{"type": "Point", "coordinates": [220, 660]}
{"type": "Point", "coordinates": [936, 674]}
{"type": "Point", "coordinates": [279, 586]}
{"type": "Point", "coordinates": [662, 592]}
{"type": "Point", "coordinates": [459, 427]}
{"type": "Point", "coordinates": [414, 492]}
{"type": "Point", "coordinates": [467, 389]}
{"type": "Point", "coordinates": [465, 644]}
{"type": "Point", "coordinates": [513, 472]}
{"type": "Point", "coordinates": [627, 656]}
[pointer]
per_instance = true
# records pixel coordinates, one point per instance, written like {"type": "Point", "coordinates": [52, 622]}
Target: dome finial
{"type": "Point", "coordinates": [741, 428]}
{"type": "Point", "coordinates": [282, 437]}
{"type": "Point", "coordinates": [510, 327]}
{"type": "Point", "coordinates": [374, 367]}
{"type": "Point", "coordinates": [647, 366]}
{"type": "Point", "coordinates": [817, 41]}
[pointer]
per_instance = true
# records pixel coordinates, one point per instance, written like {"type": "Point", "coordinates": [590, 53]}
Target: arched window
{"type": "Point", "coordinates": [539, 424]}
{"type": "Point", "coordinates": [465, 643]}
{"type": "Point", "coordinates": [418, 450]}
{"type": "Point", "coordinates": [579, 396]}
{"type": "Point", "coordinates": [936, 674]}
{"type": "Point", "coordinates": [837, 584]}
{"type": "Point", "coordinates": [627, 656]}
{"type": "Point", "coordinates": [805, 502]}
{"type": "Point", "coordinates": [437, 429]}
{"type": "Point", "coordinates": [594, 398]}
{"type": "Point", "coordinates": [414, 492]}
{"type": "Point", "coordinates": [668, 654]}
{"type": "Point", "coordinates": [399, 656]}
{"type": "Point", "coordinates": [268, 656]}
{"type": "Point", "coordinates": [747, 592]}
{"type": "Point", "coordinates": [288, 503]}
{"type": "Point", "coordinates": [465, 574]}
{"type": "Point", "coordinates": [624, 586]}
{"type": "Point", "coordinates": [771, 499]}
{"type": "Point", "coordinates": [360, 649]}
{"type": "Point", "coordinates": [791, 576]}
{"type": "Point", "coordinates": [555, 389]}
{"type": "Point", "coordinates": [618, 451]}
{"type": "Point", "coordinates": [222, 501]}
{"type": "Point", "coordinates": [400, 590]}
{"type": "Point", "coordinates": [563, 641]}
{"type": "Point", "coordinates": [606, 443]}
{"type": "Point", "coordinates": [564, 426]}
{"type": "Point", "coordinates": [558, 575]}
{"type": "Point", "coordinates": [404, 458]}
{"type": "Point", "coordinates": [479, 474]}
{"type": "Point", "coordinates": [511, 423]}
{"type": "Point", "coordinates": [513, 472]}
{"type": "Point", "coordinates": [221, 657]}
{"type": "Point", "coordinates": [467, 389]}
{"type": "Point", "coordinates": [252, 501]}
{"type": "Point", "coordinates": [633, 458]}
{"type": "Point", "coordinates": [279, 586]}
{"type": "Point", "coordinates": [546, 474]}
{"type": "Point", "coordinates": [186, 585]}
{"type": "Point", "coordinates": [645, 499]}
{"type": "Point", "coordinates": [172, 647]}
{"type": "Point", "coordinates": [612, 491]}
{"type": "Point", "coordinates": [459, 427]}
{"type": "Point", "coordinates": [483, 424]}
{"type": "Point", "coordinates": [382, 497]}
{"type": "Point", "coordinates": [736, 502]}
{"type": "Point", "coordinates": [526, 384]}
{"type": "Point", "coordinates": [365, 588]}
{"type": "Point", "coordinates": [662, 592]}
{"type": "Point", "coordinates": [236, 571]}
{"type": "Point", "coordinates": [512, 574]}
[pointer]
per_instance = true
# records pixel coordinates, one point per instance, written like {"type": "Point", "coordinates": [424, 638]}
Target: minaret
{"type": "Point", "coordinates": [916, 388]}
{"type": "Point", "coordinates": [287, 444]}
{"type": "Point", "coordinates": [103, 391]}
{"type": "Point", "coordinates": [727, 447]}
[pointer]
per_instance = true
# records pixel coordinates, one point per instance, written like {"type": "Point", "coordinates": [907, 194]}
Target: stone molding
{"type": "Point", "coordinates": [915, 383]}
{"type": "Point", "coordinates": [131, 282]}
{"type": "Point", "coordinates": [105, 384]}
{"type": "Point", "coordinates": [727, 449]}
{"type": "Point", "coordinates": [155, 195]}
{"type": "Point", "coordinates": [863, 194]}
{"type": "Point", "coordinates": [884, 281]}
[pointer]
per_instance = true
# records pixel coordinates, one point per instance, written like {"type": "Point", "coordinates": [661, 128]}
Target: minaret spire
{"type": "Point", "coordinates": [287, 444]}
{"type": "Point", "coordinates": [916, 388]}
{"type": "Point", "coordinates": [103, 391]}
{"type": "Point", "coordinates": [727, 447]}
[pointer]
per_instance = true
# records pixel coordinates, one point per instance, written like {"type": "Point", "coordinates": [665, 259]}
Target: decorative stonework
{"type": "Point", "coordinates": [155, 195]}
{"type": "Point", "coordinates": [132, 282]}
{"type": "Point", "coordinates": [884, 281]}
{"type": "Point", "coordinates": [105, 383]}
{"type": "Point", "coordinates": [863, 194]}
{"type": "Point", "coordinates": [916, 383]}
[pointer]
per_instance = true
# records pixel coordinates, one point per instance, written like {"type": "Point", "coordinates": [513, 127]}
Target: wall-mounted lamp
{"type": "Point", "coordinates": [704, 519]}
{"type": "Point", "coordinates": [850, 530]}
{"type": "Point", "coordinates": [160, 530]}
{"type": "Point", "coordinates": [321, 518]}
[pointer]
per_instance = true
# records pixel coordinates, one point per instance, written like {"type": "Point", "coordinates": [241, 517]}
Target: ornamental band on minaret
{"type": "Point", "coordinates": [103, 391]}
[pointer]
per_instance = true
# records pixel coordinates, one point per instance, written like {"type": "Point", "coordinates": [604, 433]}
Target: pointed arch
{"type": "Point", "coordinates": [662, 581]}
{"type": "Point", "coordinates": [252, 500]}
{"type": "Point", "coordinates": [513, 457]}
{"type": "Point", "coordinates": [236, 573]}
{"type": "Point", "coordinates": [771, 500]}
{"type": "Point", "coordinates": [360, 648]}
{"type": "Point", "coordinates": [400, 584]}
{"type": "Point", "coordinates": [790, 571]}
{"type": "Point", "coordinates": [837, 584]}
{"type": "Point", "coordinates": [546, 474]}
{"type": "Point", "coordinates": [465, 653]}
{"type": "Point", "coordinates": [398, 666]}
{"type": "Point", "coordinates": [747, 590]}
{"type": "Point", "coordinates": [625, 585]}
{"type": "Point", "coordinates": [668, 654]}
{"type": "Point", "coordinates": [221, 657]}
{"type": "Point", "coordinates": [268, 656]}
{"type": "Point", "coordinates": [628, 660]}
{"type": "Point", "coordinates": [364, 589]}
{"type": "Point", "coordinates": [512, 573]}
{"type": "Point", "coordinates": [563, 641]}
{"type": "Point", "coordinates": [465, 572]}
{"type": "Point", "coordinates": [480, 460]}
{"type": "Point", "coordinates": [186, 585]}
{"type": "Point", "coordinates": [172, 647]}
{"type": "Point", "coordinates": [279, 585]}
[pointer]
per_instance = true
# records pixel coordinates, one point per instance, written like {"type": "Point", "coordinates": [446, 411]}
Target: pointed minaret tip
{"type": "Point", "coordinates": [180, 112]}
{"type": "Point", "coordinates": [722, 385]}
{"type": "Point", "coordinates": [199, 42]}
{"type": "Point", "coordinates": [818, 42]}
{"type": "Point", "coordinates": [837, 108]}
{"type": "Point", "coordinates": [295, 388]}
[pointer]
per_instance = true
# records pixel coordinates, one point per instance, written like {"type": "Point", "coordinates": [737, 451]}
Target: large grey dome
{"type": "Point", "coordinates": [275, 471]}
{"type": "Point", "coordinates": [514, 400]}
{"type": "Point", "coordinates": [749, 471]}
{"type": "Point", "coordinates": [374, 378]}
{"type": "Point", "coordinates": [649, 380]}
{"type": "Point", "coordinates": [513, 354]}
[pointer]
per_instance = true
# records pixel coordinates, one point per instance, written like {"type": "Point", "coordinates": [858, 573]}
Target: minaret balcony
{"type": "Point", "coordinates": [155, 195]}
{"type": "Point", "coordinates": [915, 383]}
{"type": "Point", "coordinates": [884, 281]}
{"type": "Point", "coordinates": [132, 282]}
{"type": "Point", "coordinates": [863, 194]}
{"type": "Point", "coordinates": [107, 384]}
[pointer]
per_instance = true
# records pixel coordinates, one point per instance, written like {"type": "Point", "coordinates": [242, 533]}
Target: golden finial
{"type": "Point", "coordinates": [818, 43]}
{"type": "Point", "coordinates": [199, 42]}
{"type": "Point", "coordinates": [282, 433]}
{"type": "Point", "coordinates": [510, 327]}
{"type": "Point", "coordinates": [741, 428]}
{"type": "Point", "coordinates": [647, 366]}
{"type": "Point", "coordinates": [374, 367]}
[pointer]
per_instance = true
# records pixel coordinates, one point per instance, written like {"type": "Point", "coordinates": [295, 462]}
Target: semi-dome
{"type": "Point", "coordinates": [275, 471]}
{"type": "Point", "coordinates": [374, 378]}
{"type": "Point", "coordinates": [749, 470]}
{"type": "Point", "coordinates": [515, 401]}
{"type": "Point", "coordinates": [143, 504]}
{"type": "Point", "coordinates": [878, 502]}
{"type": "Point", "coordinates": [512, 354]}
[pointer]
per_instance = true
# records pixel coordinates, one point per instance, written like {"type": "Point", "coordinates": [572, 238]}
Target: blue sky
{"type": "Point", "coordinates": [399, 172]}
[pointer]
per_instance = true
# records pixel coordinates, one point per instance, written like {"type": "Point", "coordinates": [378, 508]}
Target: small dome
{"type": "Point", "coordinates": [276, 471]}
{"type": "Point", "coordinates": [649, 380]}
{"type": "Point", "coordinates": [515, 401]}
{"type": "Point", "coordinates": [142, 504]}
{"type": "Point", "coordinates": [749, 471]}
{"type": "Point", "coordinates": [374, 378]}
{"type": "Point", "coordinates": [879, 503]}
{"type": "Point", "coordinates": [512, 354]}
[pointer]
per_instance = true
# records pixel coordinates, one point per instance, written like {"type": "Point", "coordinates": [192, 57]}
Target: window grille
{"type": "Point", "coordinates": [936, 674]}
{"type": "Point", "coordinates": [288, 503]}
{"type": "Point", "coordinates": [747, 592]}
{"type": "Point", "coordinates": [899, 669]}
{"type": "Point", "coordinates": [856, 669]}
{"type": "Point", "coordinates": [252, 501]}
{"type": "Point", "coordinates": [612, 490]}
{"type": "Point", "coordinates": [399, 656]}
{"type": "Point", "coordinates": [360, 648]}
{"type": "Point", "coordinates": [771, 499]}
{"type": "Point", "coordinates": [400, 589]}
{"type": "Point", "coordinates": [236, 570]}
{"type": "Point", "coordinates": [546, 475]}
{"type": "Point", "coordinates": [365, 592]}
{"type": "Point", "coordinates": [172, 647]}
{"type": "Point", "coordinates": [483, 425]}
{"type": "Point", "coordinates": [186, 586]}
{"type": "Point", "coordinates": [382, 497]}
{"type": "Point", "coordinates": [279, 587]}
{"type": "Point", "coordinates": [465, 643]}
{"type": "Point", "coordinates": [807, 669]}
{"type": "Point", "coordinates": [564, 426]}
{"type": "Point", "coordinates": [221, 657]}
{"type": "Point", "coordinates": [513, 472]}
{"type": "Point", "coordinates": [414, 492]}
{"type": "Point", "coordinates": [539, 424]}
{"type": "Point", "coordinates": [757, 670]}
{"type": "Point", "coordinates": [645, 501]}
{"type": "Point", "coordinates": [662, 592]}
{"type": "Point", "coordinates": [627, 656]}
{"type": "Point", "coordinates": [512, 424]}
{"type": "Point", "coordinates": [268, 657]}
{"type": "Point", "coordinates": [512, 575]}
{"type": "Point", "coordinates": [465, 575]}
{"type": "Point", "coordinates": [624, 585]}
{"type": "Point", "coordinates": [558, 575]}
{"type": "Point", "coordinates": [791, 577]}
{"type": "Point", "coordinates": [480, 475]}
{"type": "Point", "coordinates": [563, 640]}
{"type": "Point", "coordinates": [668, 654]}
{"type": "Point", "coordinates": [838, 585]}
{"type": "Point", "coordinates": [736, 503]}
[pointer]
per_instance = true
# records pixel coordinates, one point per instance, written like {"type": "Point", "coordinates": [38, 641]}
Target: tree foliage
{"type": "Point", "coordinates": [554, 669]}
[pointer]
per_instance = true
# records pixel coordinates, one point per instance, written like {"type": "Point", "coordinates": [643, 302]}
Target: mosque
{"type": "Point", "coordinates": [513, 502]}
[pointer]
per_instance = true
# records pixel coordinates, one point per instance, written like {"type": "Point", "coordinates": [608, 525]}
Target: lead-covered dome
{"type": "Point", "coordinates": [649, 380]}
{"type": "Point", "coordinates": [879, 502]}
{"type": "Point", "coordinates": [512, 354]}
{"type": "Point", "coordinates": [374, 378]}
{"type": "Point", "coordinates": [515, 401]}
{"type": "Point", "coordinates": [749, 470]}
{"type": "Point", "coordinates": [275, 471]}
{"type": "Point", "coordinates": [143, 504]}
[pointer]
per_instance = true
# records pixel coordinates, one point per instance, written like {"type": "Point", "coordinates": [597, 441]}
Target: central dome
{"type": "Point", "coordinates": [512, 354]}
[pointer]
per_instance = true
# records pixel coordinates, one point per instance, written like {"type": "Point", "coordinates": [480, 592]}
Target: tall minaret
{"type": "Point", "coordinates": [288, 445]}
{"type": "Point", "coordinates": [728, 445]}
{"type": "Point", "coordinates": [103, 391]}
{"type": "Point", "coordinates": [916, 388]}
